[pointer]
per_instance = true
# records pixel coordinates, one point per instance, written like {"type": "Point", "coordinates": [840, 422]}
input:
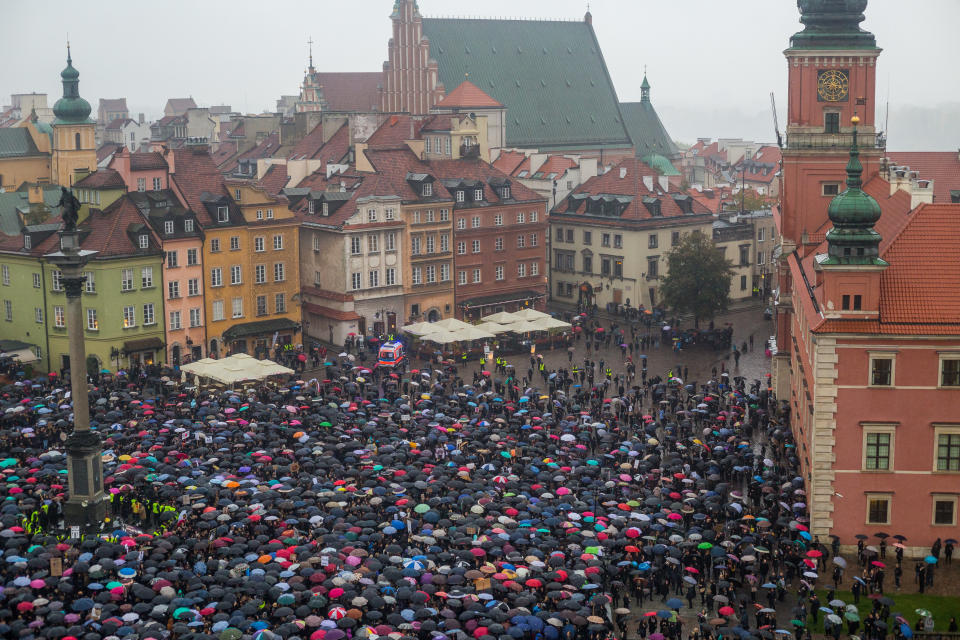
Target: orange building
{"type": "Point", "coordinates": [868, 313]}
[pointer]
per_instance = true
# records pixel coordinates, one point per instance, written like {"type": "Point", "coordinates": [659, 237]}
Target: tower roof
{"type": "Point", "coordinates": [466, 95]}
{"type": "Point", "coordinates": [832, 24]}
{"type": "Point", "coordinates": [71, 108]}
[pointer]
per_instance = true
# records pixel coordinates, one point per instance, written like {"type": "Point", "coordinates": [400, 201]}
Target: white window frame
{"type": "Point", "coordinates": [942, 497]}
{"type": "Point", "coordinates": [872, 495]}
{"type": "Point", "coordinates": [461, 196]}
{"type": "Point", "coordinates": [193, 287]}
{"type": "Point", "coordinates": [217, 308]}
{"type": "Point", "coordinates": [126, 280]}
{"type": "Point", "coordinates": [129, 316]}
{"type": "Point", "coordinates": [874, 428]}
{"type": "Point", "coordinates": [534, 268]}
{"type": "Point", "coordinates": [168, 227]}
{"type": "Point", "coordinates": [475, 246]}
{"type": "Point", "coordinates": [475, 222]}
{"type": "Point", "coordinates": [216, 277]}
{"type": "Point", "coordinates": [356, 281]}
{"type": "Point", "coordinates": [533, 216]}
{"type": "Point", "coordinates": [940, 430]}
{"type": "Point", "coordinates": [270, 212]}
{"type": "Point", "coordinates": [259, 244]}
{"type": "Point", "coordinates": [223, 214]}
{"type": "Point", "coordinates": [90, 284]}
{"type": "Point", "coordinates": [149, 315]}
{"type": "Point", "coordinates": [461, 277]}
{"type": "Point", "coordinates": [36, 281]}
{"type": "Point", "coordinates": [461, 223]}
{"type": "Point", "coordinates": [390, 278]}
{"type": "Point", "coordinates": [278, 242]}
{"type": "Point", "coordinates": [59, 319]}
{"type": "Point", "coordinates": [144, 241]}
{"type": "Point", "coordinates": [427, 189]}
{"type": "Point", "coordinates": [234, 243]}
{"type": "Point", "coordinates": [93, 324]}
{"type": "Point", "coordinates": [373, 277]}
{"type": "Point", "coordinates": [416, 275]}
{"type": "Point", "coordinates": [461, 248]}
{"type": "Point", "coordinates": [38, 315]}
{"type": "Point", "coordinates": [390, 241]}
{"type": "Point", "coordinates": [498, 243]}
{"type": "Point", "coordinates": [279, 303]}
{"type": "Point", "coordinates": [259, 274]}
{"type": "Point", "coordinates": [371, 215]}
{"type": "Point", "coordinates": [478, 195]}
{"type": "Point", "coordinates": [196, 317]}
{"type": "Point", "coordinates": [521, 217]}
{"type": "Point", "coordinates": [236, 274]}
{"type": "Point", "coordinates": [498, 273]}
{"type": "Point", "coordinates": [444, 272]}
{"type": "Point", "coordinates": [146, 277]}
{"type": "Point", "coordinates": [389, 213]}
{"type": "Point", "coordinates": [236, 307]}
{"type": "Point", "coordinates": [942, 357]}
{"type": "Point", "coordinates": [477, 276]}
{"type": "Point", "coordinates": [882, 355]}
{"type": "Point", "coordinates": [279, 272]}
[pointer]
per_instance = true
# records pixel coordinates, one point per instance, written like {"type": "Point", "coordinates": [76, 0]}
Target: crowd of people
{"type": "Point", "coordinates": [440, 502]}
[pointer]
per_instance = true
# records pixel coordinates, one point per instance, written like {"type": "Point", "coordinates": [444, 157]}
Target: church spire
{"type": "Point", "coordinates": [310, 45]}
{"type": "Point", "coordinates": [71, 108]}
{"type": "Point", "coordinates": [645, 87]}
{"type": "Point", "coordinates": [853, 240]}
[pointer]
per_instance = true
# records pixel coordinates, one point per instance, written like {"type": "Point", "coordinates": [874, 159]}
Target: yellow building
{"type": "Point", "coordinates": [427, 275]}
{"type": "Point", "coordinates": [250, 256]}
{"type": "Point", "coordinates": [74, 146]}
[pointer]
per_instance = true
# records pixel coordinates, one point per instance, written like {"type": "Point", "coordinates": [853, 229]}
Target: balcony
{"type": "Point", "coordinates": [820, 140]}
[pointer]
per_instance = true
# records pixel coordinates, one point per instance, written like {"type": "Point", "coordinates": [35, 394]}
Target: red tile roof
{"type": "Point", "coordinates": [147, 161]}
{"type": "Point", "coordinates": [225, 151]}
{"type": "Point", "coordinates": [395, 131]}
{"type": "Point", "coordinates": [264, 149]}
{"type": "Point", "coordinates": [119, 123]}
{"type": "Point", "coordinates": [101, 179]}
{"type": "Point", "coordinates": [194, 174]}
{"type": "Point", "coordinates": [438, 122]}
{"type": "Point", "coordinates": [107, 149]}
{"type": "Point", "coordinates": [328, 312]}
{"type": "Point", "coordinates": [309, 145]}
{"type": "Point", "coordinates": [179, 105]}
{"type": "Point", "coordinates": [351, 91]}
{"type": "Point", "coordinates": [274, 179]}
{"type": "Point", "coordinates": [943, 167]}
{"type": "Point", "coordinates": [468, 95]}
{"type": "Point", "coordinates": [508, 161]}
{"type": "Point", "coordinates": [333, 150]}
{"type": "Point", "coordinates": [553, 164]}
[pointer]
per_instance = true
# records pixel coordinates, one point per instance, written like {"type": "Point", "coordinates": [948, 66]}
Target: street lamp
{"type": "Point", "coordinates": [86, 508]}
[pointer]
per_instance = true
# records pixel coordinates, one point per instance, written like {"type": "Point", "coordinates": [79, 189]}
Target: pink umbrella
{"type": "Point", "coordinates": [632, 532]}
{"type": "Point", "coordinates": [38, 584]}
{"type": "Point", "coordinates": [563, 491]}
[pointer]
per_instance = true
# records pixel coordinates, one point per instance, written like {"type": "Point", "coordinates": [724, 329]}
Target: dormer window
{"type": "Point", "coordinates": [144, 241]}
{"type": "Point", "coordinates": [223, 214]}
{"type": "Point", "coordinates": [505, 193]}
{"type": "Point", "coordinates": [27, 242]}
{"type": "Point", "coordinates": [326, 209]}
{"type": "Point", "coordinates": [477, 195]}
{"type": "Point", "coordinates": [310, 207]}
{"type": "Point", "coordinates": [236, 195]}
{"type": "Point", "coordinates": [188, 225]}
{"type": "Point", "coordinates": [461, 196]}
{"type": "Point", "coordinates": [168, 227]}
{"type": "Point", "coordinates": [427, 189]}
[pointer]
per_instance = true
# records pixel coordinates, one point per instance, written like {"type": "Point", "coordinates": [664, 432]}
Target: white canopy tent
{"type": "Point", "coordinates": [492, 327]}
{"type": "Point", "coordinates": [500, 318]}
{"type": "Point", "coordinates": [450, 324]}
{"type": "Point", "coordinates": [441, 337]}
{"type": "Point", "coordinates": [471, 332]}
{"type": "Point", "coordinates": [419, 328]}
{"type": "Point", "coordinates": [239, 367]}
{"type": "Point", "coordinates": [546, 323]}
{"type": "Point", "coordinates": [530, 314]}
{"type": "Point", "coordinates": [522, 326]}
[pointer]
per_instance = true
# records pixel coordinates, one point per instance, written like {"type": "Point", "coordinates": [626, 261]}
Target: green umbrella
{"type": "Point", "coordinates": [421, 508]}
{"type": "Point", "coordinates": [231, 633]}
{"type": "Point", "coordinates": [923, 613]}
{"type": "Point", "coordinates": [797, 623]}
{"type": "Point", "coordinates": [704, 545]}
{"type": "Point", "coordinates": [852, 616]}
{"type": "Point", "coordinates": [286, 598]}
{"type": "Point", "coordinates": [182, 612]}
{"type": "Point", "coordinates": [593, 550]}
{"type": "Point", "coordinates": [8, 462]}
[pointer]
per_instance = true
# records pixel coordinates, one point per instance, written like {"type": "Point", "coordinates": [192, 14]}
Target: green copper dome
{"type": "Point", "coordinates": [71, 108]}
{"type": "Point", "coordinates": [661, 164]}
{"type": "Point", "coordinates": [832, 24]}
{"type": "Point", "coordinates": [853, 240]}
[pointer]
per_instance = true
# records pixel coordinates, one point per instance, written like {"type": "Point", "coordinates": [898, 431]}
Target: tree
{"type": "Point", "coordinates": [698, 278]}
{"type": "Point", "coordinates": [752, 201]}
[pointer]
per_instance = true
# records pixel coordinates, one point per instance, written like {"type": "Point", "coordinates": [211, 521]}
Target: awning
{"type": "Point", "coordinates": [144, 344]}
{"type": "Point", "coordinates": [503, 298]}
{"type": "Point", "coordinates": [257, 328]}
{"type": "Point", "coordinates": [328, 312]}
{"type": "Point", "coordinates": [23, 355]}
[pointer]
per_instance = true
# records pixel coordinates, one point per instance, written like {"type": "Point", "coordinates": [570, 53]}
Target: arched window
{"type": "Point", "coordinates": [76, 140]}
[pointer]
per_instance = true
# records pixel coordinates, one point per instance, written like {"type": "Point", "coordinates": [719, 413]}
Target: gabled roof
{"type": "Point", "coordinates": [551, 169]}
{"type": "Point", "coordinates": [180, 105]}
{"type": "Point", "coordinates": [102, 179]}
{"type": "Point", "coordinates": [395, 131]}
{"type": "Point", "coordinates": [147, 161]}
{"type": "Point", "coordinates": [195, 174]}
{"type": "Point", "coordinates": [308, 145]}
{"type": "Point", "coordinates": [351, 91]}
{"type": "Point", "coordinates": [508, 161]}
{"type": "Point", "coordinates": [943, 167]}
{"type": "Point", "coordinates": [107, 149]}
{"type": "Point", "coordinates": [468, 95]}
{"type": "Point", "coordinates": [274, 179]}
{"type": "Point", "coordinates": [16, 142]}
{"type": "Point", "coordinates": [264, 149]}
{"type": "Point", "coordinates": [646, 130]}
{"type": "Point", "coordinates": [550, 75]}
{"type": "Point", "coordinates": [314, 148]}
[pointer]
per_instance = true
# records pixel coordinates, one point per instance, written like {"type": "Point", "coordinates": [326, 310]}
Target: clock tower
{"type": "Point", "coordinates": [832, 65]}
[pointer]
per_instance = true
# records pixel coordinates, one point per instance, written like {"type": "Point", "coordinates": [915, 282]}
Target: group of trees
{"type": "Point", "coordinates": [698, 278]}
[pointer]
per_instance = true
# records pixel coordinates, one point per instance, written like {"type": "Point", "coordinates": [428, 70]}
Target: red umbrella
{"type": "Point", "coordinates": [813, 553]}
{"type": "Point", "coordinates": [725, 611]}
{"type": "Point", "coordinates": [533, 582]}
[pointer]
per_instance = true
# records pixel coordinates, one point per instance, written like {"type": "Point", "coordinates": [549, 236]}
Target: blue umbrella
{"type": "Point", "coordinates": [674, 603]}
{"type": "Point", "coordinates": [906, 630]}
{"type": "Point", "coordinates": [930, 560]}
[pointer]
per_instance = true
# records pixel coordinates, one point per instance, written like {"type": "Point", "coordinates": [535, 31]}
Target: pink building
{"type": "Point", "coordinates": [141, 171]}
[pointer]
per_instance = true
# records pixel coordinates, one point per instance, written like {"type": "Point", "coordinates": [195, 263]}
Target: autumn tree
{"type": "Point", "coordinates": [698, 278]}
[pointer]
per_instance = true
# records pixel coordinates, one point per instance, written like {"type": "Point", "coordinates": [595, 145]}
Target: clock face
{"type": "Point", "coordinates": [833, 85]}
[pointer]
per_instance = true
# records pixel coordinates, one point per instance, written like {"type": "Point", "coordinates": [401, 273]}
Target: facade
{"type": "Point", "coordinates": [748, 240]}
{"type": "Point", "coordinates": [24, 154]}
{"type": "Point", "coordinates": [74, 147]}
{"type": "Point", "coordinates": [609, 237]}
{"type": "Point", "coordinates": [128, 132]}
{"type": "Point", "coordinates": [552, 176]}
{"type": "Point", "coordinates": [868, 331]}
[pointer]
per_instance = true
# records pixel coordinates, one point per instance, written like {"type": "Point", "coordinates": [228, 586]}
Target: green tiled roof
{"type": "Point", "coordinates": [550, 75]}
{"type": "Point", "coordinates": [647, 132]}
{"type": "Point", "coordinates": [12, 202]}
{"type": "Point", "coordinates": [16, 142]}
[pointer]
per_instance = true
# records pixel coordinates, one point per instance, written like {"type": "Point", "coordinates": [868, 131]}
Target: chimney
{"type": "Point", "coordinates": [140, 119]}
{"type": "Point", "coordinates": [35, 194]}
{"type": "Point", "coordinates": [623, 172]}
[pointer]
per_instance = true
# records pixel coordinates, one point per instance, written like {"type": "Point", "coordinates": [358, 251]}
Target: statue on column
{"type": "Point", "coordinates": [70, 206]}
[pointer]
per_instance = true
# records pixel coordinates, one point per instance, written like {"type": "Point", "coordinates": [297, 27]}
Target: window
{"type": "Point", "coordinates": [760, 232]}
{"type": "Point", "coordinates": [743, 283]}
{"type": "Point", "coordinates": [173, 289]}
{"type": "Point", "coordinates": [168, 227]}
{"type": "Point", "coordinates": [878, 448]}
{"type": "Point", "coordinates": [533, 216]}
{"type": "Point", "coordinates": [427, 190]}
{"type": "Point", "coordinates": [390, 241]}
{"type": "Point", "coordinates": [587, 237]}
{"type": "Point", "coordinates": [36, 281]}
{"type": "Point", "coordinates": [476, 275]}
{"type": "Point", "coordinates": [415, 242]}
{"type": "Point", "coordinates": [157, 184]}
{"type": "Point", "coordinates": [521, 217]}
{"type": "Point", "coordinates": [444, 272]}
{"type": "Point", "coordinates": [521, 241]}
{"type": "Point", "coordinates": [126, 279]}
{"type": "Point", "coordinates": [389, 214]}
{"type": "Point", "coordinates": [416, 217]}
{"type": "Point", "coordinates": [498, 220]}
{"type": "Point", "coordinates": [475, 245]}
{"type": "Point", "coordinates": [8, 310]}
{"type": "Point", "coordinates": [446, 145]}
{"type": "Point", "coordinates": [188, 225]}
{"type": "Point", "coordinates": [236, 274]}
{"type": "Point", "coordinates": [172, 260]}
{"type": "Point", "coordinates": [141, 184]}
{"type": "Point", "coordinates": [498, 244]}
{"type": "Point", "coordinates": [55, 276]}
{"type": "Point", "coordinates": [216, 277]}
{"type": "Point", "coordinates": [533, 240]}
{"type": "Point", "coordinates": [653, 267]}
{"type": "Point", "coordinates": [38, 315]}
{"type": "Point", "coordinates": [315, 241]}
{"type": "Point", "coordinates": [461, 223]}
{"type": "Point", "coordinates": [390, 278]}
{"type": "Point", "coordinates": [950, 370]}
{"type": "Point", "coordinates": [475, 222]}
{"type": "Point", "coordinates": [477, 195]}
{"type": "Point", "coordinates": [58, 317]}
{"type": "Point", "coordinates": [460, 195]}
{"type": "Point", "coordinates": [831, 188]}
{"type": "Point", "coordinates": [175, 321]}
{"type": "Point", "coordinates": [258, 244]}
{"type": "Point", "coordinates": [215, 245]}
{"type": "Point", "coordinates": [831, 122]}
{"type": "Point", "coordinates": [444, 215]}
{"type": "Point", "coordinates": [373, 243]}
{"type": "Point", "coordinates": [193, 287]}
{"type": "Point", "coordinates": [261, 305]}
{"type": "Point", "coordinates": [760, 257]}
{"type": "Point", "coordinates": [674, 238]}
{"type": "Point", "coordinates": [90, 283]}
{"type": "Point", "coordinates": [617, 241]}
{"type": "Point", "coordinates": [431, 272]}
{"type": "Point", "coordinates": [444, 243]}
{"type": "Point", "coordinates": [588, 264]}
{"type": "Point", "coordinates": [193, 257]}
{"type": "Point", "coordinates": [259, 274]}
{"type": "Point", "coordinates": [431, 243]}
{"type": "Point", "coordinates": [534, 268]}
{"type": "Point", "coordinates": [223, 214]}
{"type": "Point", "coordinates": [260, 211]}
{"type": "Point", "coordinates": [217, 310]}
{"type": "Point", "coordinates": [371, 215]}
{"type": "Point", "coordinates": [498, 272]}
{"type": "Point", "coordinates": [129, 317]}
{"type": "Point", "coordinates": [92, 324]}
{"type": "Point", "coordinates": [948, 448]}
{"type": "Point", "coordinates": [881, 370]}
{"type": "Point", "coordinates": [374, 278]}
{"type": "Point", "coordinates": [355, 247]}
{"type": "Point", "coordinates": [280, 303]}
{"type": "Point", "coordinates": [236, 194]}
{"type": "Point", "coordinates": [605, 240]}
{"type": "Point", "coordinates": [461, 277]}
{"type": "Point", "coordinates": [878, 508]}
{"type": "Point", "coordinates": [237, 307]}
{"type": "Point", "coordinates": [312, 207]}
{"type": "Point", "coordinates": [416, 275]}
{"type": "Point", "coordinates": [234, 243]}
{"type": "Point", "coordinates": [461, 248]}
{"type": "Point", "coordinates": [945, 510]}
{"type": "Point", "coordinates": [431, 217]}
{"type": "Point", "coordinates": [270, 212]}
{"type": "Point", "coordinates": [652, 241]}
{"type": "Point", "coordinates": [618, 268]}
{"type": "Point", "coordinates": [744, 255]}
{"type": "Point", "coordinates": [521, 270]}
{"type": "Point", "coordinates": [195, 317]}
{"type": "Point", "coordinates": [428, 144]}
{"type": "Point", "coordinates": [5, 270]}
{"type": "Point", "coordinates": [279, 272]}
{"type": "Point", "coordinates": [143, 241]}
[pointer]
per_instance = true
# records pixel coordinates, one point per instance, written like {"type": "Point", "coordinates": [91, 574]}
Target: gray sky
{"type": "Point", "coordinates": [711, 64]}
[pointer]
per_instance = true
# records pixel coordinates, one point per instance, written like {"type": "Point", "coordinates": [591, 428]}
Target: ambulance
{"type": "Point", "coordinates": [391, 354]}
